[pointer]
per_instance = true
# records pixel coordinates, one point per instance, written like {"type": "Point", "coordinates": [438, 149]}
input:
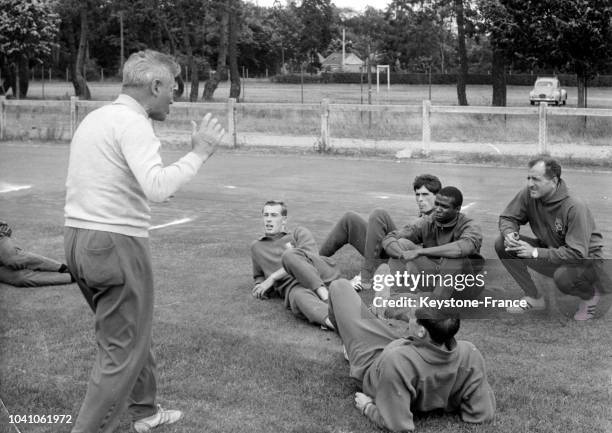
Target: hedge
{"type": "Point", "coordinates": [568, 80]}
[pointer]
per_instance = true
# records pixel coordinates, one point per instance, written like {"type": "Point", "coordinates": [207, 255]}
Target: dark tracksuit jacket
{"type": "Point", "coordinates": [563, 223]}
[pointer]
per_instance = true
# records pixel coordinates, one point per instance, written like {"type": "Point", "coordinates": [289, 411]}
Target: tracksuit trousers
{"type": "Point", "coordinates": [363, 335]}
{"type": "Point", "coordinates": [114, 274]}
{"type": "Point", "coordinates": [365, 236]}
{"type": "Point", "coordinates": [22, 269]}
{"type": "Point", "coordinates": [309, 273]}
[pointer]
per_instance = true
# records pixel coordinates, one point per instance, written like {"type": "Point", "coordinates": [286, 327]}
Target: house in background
{"type": "Point", "coordinates": [333, 63]}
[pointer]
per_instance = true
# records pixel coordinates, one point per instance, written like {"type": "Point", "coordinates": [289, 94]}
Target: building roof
{"type": "Point", "coordinates": [336, 59]}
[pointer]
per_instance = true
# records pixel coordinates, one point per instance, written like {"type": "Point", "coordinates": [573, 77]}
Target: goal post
{"type": "Point", "coordinates": [383, 68]}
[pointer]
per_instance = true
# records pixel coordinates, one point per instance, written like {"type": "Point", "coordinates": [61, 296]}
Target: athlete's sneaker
{"type": "Point", "coordinates": [163, 416]}
{"type": "Point", "coordinates": [356, 283]}
{"type": "Point", "coordinates": [531, 304]}
{"type": "Point", "coordinates": [586, 309]}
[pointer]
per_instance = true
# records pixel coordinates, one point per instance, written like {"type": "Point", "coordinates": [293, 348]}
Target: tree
{"type": "Point", "coordinates": [565, 35]}
{"type": "Point", "coordinates": [462, 52]}
{"type": "Point", "coordinates": [28, 29]}
{"type": "Point", "coordinates": [75, 29]}
{"type": "Point", "coordinates": [497, 23]}
{"type": "Point", "coordinates": [316, 19]}
{"type": "Point", "coordinates": [233, 28]}
{"type": "Point", "coordinates": [211, 84]}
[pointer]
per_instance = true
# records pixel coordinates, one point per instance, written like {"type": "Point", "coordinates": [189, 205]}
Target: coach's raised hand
{"type": "Point", "coordinates": [206, 137]}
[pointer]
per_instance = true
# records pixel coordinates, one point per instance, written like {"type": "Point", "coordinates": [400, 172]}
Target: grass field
{"type": "Point", "coordinates": [236, 364]}
{"type": "Point", "coordinates": [261, 90]}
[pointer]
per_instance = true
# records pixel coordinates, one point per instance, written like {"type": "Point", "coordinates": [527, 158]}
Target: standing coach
{"type": "Point", "coordinates": [114, 168]}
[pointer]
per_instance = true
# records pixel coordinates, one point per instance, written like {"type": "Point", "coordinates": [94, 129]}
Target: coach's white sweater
{"type": "Point", "coordinates": [115, 167]}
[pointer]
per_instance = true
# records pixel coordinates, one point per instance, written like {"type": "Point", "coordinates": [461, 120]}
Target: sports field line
{"type": "Point", "coordinates": [464, 207]}
{"type": "Point", "coordinates": [171, 223]}
{"type": "Point", "coordinates": [9, 414]}
{"type": "Point", "coordinates": [7, 187]}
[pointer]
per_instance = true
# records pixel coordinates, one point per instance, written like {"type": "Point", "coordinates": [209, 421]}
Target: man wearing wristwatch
{"type": "Point", "coordinates": [568, 246]}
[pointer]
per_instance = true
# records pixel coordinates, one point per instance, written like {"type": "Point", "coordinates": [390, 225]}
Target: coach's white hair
{"type": "Point", "coordinates": [143, 67]}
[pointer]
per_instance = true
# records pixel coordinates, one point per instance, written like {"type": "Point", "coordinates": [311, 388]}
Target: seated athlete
{"type": "Point", "coordinates": [23, 269]}
{"type": "Point", "coordinates": [425, 371]}
{"type": "Point", "coordinates": [366, 236]}
{"type": "Point", "coordinates": [444, 247]}
{"type": "Point", "coordinates": [289, 263]}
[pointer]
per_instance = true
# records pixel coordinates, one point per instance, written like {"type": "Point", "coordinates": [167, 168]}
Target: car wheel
{"type": "Point", "coordinates": [556, 103]}
{"type": "Point", "coordinates": [532, 103]}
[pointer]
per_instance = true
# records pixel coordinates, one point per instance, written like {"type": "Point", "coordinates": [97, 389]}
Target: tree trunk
{"type": "Point", "coordinates": [498, 75]}
{"type": "Point", "coordinates": [233, 51]}
{"type": "Point", "coordinates": [193, 66]}
{"type": "Point", "coordinates": [581, 81]}
{"type": "Point", "coordinates": [78, 80]}
{"type": "Point", "coordinates": [211, 84]}
{"type": "Point", "coordinates": [16, 89]}
{"type": "Point", "coordinates": [463, 62]}
{"type": "Point", "coordinates": [18, 77]}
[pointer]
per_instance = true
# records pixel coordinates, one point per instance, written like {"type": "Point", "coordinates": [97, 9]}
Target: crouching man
{"type": "Point", "coordinates": [425, 371]}
{"type": "Point", "coordinates": [289, 263]}
{"type": "Point", "coordinates": [567, 245]}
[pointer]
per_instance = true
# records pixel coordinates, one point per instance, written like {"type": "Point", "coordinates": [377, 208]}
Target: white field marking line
{"type": "Point", "coordinates": [384, 197]}
{"type": "Point", "coordinates": [7, 187]}
{"type": "Point", "coordinates": [494, 148]}
{"type": "Point", "coordinates": [230, 187]}
{"type": "Point", "coordinates": [467, 205]}
{"type": "Point", "coordinates": [171, 223]}
{"type": "Point", "coordinates": [9, 414]}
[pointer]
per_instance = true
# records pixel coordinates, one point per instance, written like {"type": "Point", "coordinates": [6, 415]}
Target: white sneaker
{"type": "Point", "coordinates": [162, 416]}
{"type": "Point", "coordinates": [532, 304]}
{"type": "Point", "coordinates": [356, 283]}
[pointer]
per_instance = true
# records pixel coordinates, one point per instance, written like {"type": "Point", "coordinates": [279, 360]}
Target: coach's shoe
{"type": "Point", "coordinates": [531, 304]}
{"type": "Point", "coordinates": [163, 416]}
{"type": "Point", "coordinates": [586, 309]}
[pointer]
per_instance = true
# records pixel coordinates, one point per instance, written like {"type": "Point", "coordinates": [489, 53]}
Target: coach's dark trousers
{"type": "Point", "coordinates": [114, 274]}
{"type": "Point", "coordinates": [578, 279]}
{"type": "Point", "coordinates": [365, 236]}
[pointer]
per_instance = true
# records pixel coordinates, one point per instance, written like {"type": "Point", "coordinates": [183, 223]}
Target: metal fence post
{"type": "Point", "coordinates": [231, 121]}
{"type": "Point", "coordinates": [325, 144]}
{"type": "Point", "coordinates": [542, 129]}
{"type": "Point", "coordinates": [73, 114]}
{"type": "Point", "coordinates": [426, 125]}
{"type": "Point", "coordinates": [2, 117]}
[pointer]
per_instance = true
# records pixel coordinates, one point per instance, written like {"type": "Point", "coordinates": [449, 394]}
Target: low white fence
{"type": "Point", "coordinates": [57, 119]}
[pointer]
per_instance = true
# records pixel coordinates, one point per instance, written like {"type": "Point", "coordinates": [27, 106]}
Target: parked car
{"type": "Point", "coordinates": [548, 89]}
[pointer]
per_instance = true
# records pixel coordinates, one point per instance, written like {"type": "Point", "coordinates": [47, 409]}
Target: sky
{"type": "Point", "coordinates": [358, 5]}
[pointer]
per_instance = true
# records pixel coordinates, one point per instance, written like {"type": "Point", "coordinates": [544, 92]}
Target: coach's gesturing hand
{"type": "Point", "coordinates": [206, 137]}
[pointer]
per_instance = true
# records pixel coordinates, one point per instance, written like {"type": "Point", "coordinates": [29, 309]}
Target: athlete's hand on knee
{"type": "Point", "coordinates": [206, 137]}
{"type": "Point", "coordinates": [410, 254]}
{"type": "Point", "coordinates": [511, 240]}
{"type": "Point", "coordinates": [260, 290]}
{"type": "Point", "coordinates": [523, 250]}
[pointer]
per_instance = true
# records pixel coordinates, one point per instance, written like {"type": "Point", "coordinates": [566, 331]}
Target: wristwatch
{"type": "Point", "coordinates": [534, 253]}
